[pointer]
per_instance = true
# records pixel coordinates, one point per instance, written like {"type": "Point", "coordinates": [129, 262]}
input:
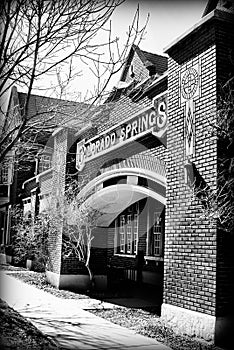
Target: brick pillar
{"type": "Point", "coordinates": [190, 261]}
{"type": "Point", "coordinates": [57, 194]}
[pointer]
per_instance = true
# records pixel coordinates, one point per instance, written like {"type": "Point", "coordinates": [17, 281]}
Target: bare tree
{"type": "Point", "coordinates": [79, 223]}
{"type": "Point", "coordinates": [41, 38]}
{"type": "Point", "coordinates": [217, 204]}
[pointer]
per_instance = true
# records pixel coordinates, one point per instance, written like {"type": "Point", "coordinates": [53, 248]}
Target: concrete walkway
{"type": "Point", "coordinates": [64, 320]}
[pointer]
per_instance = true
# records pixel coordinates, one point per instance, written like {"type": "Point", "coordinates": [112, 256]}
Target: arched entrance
{"type": "Point", "coordinates": [131, 202]}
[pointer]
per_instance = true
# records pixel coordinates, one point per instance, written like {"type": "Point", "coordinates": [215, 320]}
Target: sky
{"type": "Point", "coordinates": [168, 20]}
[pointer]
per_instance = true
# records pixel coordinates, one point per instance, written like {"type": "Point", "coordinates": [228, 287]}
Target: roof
{"type": "Point", "coordinates": [156, 64]}
{"type": "Point", "coordinates": [51, 111]}
{"type": "Point", "coordinates": [148, 58]}
{"type": "Point", "coordinates": [220, 4]}
{"type": "Point", "coordinates": [211, 5]}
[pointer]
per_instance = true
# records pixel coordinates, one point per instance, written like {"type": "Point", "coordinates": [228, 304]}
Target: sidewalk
{"type": "Point", "coordinates": [67, 323]}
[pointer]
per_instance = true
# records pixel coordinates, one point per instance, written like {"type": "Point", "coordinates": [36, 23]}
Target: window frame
{"type": "Point", "coordinates": [6, 172]}
{"type": "Point", "coordinates": [127, 231]}
{"type": "Point", "coordinates": [156, 235]}
{"type": "Point", "coordinates": [45, 163]}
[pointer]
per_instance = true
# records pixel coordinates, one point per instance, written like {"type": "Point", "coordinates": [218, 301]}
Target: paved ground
{"type": "Point", "coordinates": [67, 323]}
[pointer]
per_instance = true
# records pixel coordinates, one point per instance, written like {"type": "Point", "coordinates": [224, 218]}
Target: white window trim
{"type": "Point", "coordinates": [45, 163]}
{"type": "Point", "coordinates": [125, 255]}
{"type": "Point", "coordinates": [6, 170]}
{"type": "Point", "coordinates": [117, 243]}
{"type": "Point", "coordinates": [148, 256]}
{"type": "Point", "coordinates": [153, 258]}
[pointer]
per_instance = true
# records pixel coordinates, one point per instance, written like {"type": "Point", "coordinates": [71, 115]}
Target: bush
{"type": "Point", "coordinates": [30, 239]}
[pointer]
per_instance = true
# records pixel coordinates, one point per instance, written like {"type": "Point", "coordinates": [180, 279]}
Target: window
{"type": "Point", "coordinates": [44, 163]}
{"type": "Point", "coordinates": [135, 233]}
{"type": "Point", "coordinates": [127, 231]}
{"type": "Point", "coordinates": [122, 233]}
{"type": "Point", "coordinates": [156, 235]}
{"type": "Point", "coordinates": [4, 174]}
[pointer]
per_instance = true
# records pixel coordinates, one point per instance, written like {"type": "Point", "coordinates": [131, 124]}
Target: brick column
{"type": "Point", "coordinates": [57, 194]}
{"type": "Point", "coordinates": [190, 261]}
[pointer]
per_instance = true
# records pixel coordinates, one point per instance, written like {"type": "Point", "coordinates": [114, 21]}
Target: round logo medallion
{"type": "Point", "coordinates": [189, 83]}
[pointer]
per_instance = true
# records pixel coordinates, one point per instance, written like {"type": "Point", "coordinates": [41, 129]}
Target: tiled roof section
{"type": "Point", "coordinates": [148, 58]}
{"type": "Point", "coordinates": [53, 112]}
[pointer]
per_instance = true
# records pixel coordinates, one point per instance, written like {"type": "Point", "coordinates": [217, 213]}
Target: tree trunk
{"type": "Point", "coordinates": [91, 277]}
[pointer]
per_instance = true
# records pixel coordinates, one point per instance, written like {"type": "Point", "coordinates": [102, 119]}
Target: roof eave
{"type": "Point", "coordinates": [188, 32]}
{"type": "Point", "coordinates": [223, 15]}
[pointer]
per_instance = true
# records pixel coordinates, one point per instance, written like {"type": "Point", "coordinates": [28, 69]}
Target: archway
{"type": "Point", "coordinates": [131, 202]}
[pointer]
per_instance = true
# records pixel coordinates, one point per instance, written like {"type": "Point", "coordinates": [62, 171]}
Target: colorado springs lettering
{"type": "Point", "coordinates": [149, 120]}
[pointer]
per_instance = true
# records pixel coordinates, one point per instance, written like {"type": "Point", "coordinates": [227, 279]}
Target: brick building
{"type": "Point", "coordinates": [140, 163]}
{"type": "Point", "coordinates": [34, 153]}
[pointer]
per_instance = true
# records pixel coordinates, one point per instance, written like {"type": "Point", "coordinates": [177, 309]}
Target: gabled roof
{"type": "Point", "coordinates": [155, 63]}
{"type": "Point", "coordinates": [148, 59]}
{"type": "Point", "coordinates": [152, 59]}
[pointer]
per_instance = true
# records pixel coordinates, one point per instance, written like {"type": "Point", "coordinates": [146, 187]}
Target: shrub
{"type": "Point", "coordinates": [30, 239]}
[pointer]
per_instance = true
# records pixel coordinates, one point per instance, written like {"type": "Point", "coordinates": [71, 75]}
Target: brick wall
{"type": "Point", "coordinates": [190, 240]}
{"type": "Point", "coordinates": [98, 258]}
{"type": "Point", "coordinates": [72, 266]}
{"type": "Point", "coordinates": [121, 110]}
{"type": "Point", "coordinates": [198, 273]}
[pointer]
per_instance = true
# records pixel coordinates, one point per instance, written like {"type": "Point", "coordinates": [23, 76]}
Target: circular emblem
{"type": "Point", "coordinates": [189, 83]}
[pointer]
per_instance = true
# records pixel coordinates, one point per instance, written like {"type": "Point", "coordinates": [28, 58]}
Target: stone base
{"type": "Point", "coordinates": [8, 259]}
{"type": "Point", "coordinates": [75, 282]}
{"type": "Point", "coordinates": [192, 323]}
{"type": "Point", "coordinates": [53, 278]}
{"type": "Point", "coordinates": [3, 258]}
{"type": "Point", "coordinates": [29, 264]}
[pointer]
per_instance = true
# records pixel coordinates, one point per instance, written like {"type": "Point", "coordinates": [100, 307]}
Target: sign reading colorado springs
{"type": "Point", "coordinates": [153, 119]}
